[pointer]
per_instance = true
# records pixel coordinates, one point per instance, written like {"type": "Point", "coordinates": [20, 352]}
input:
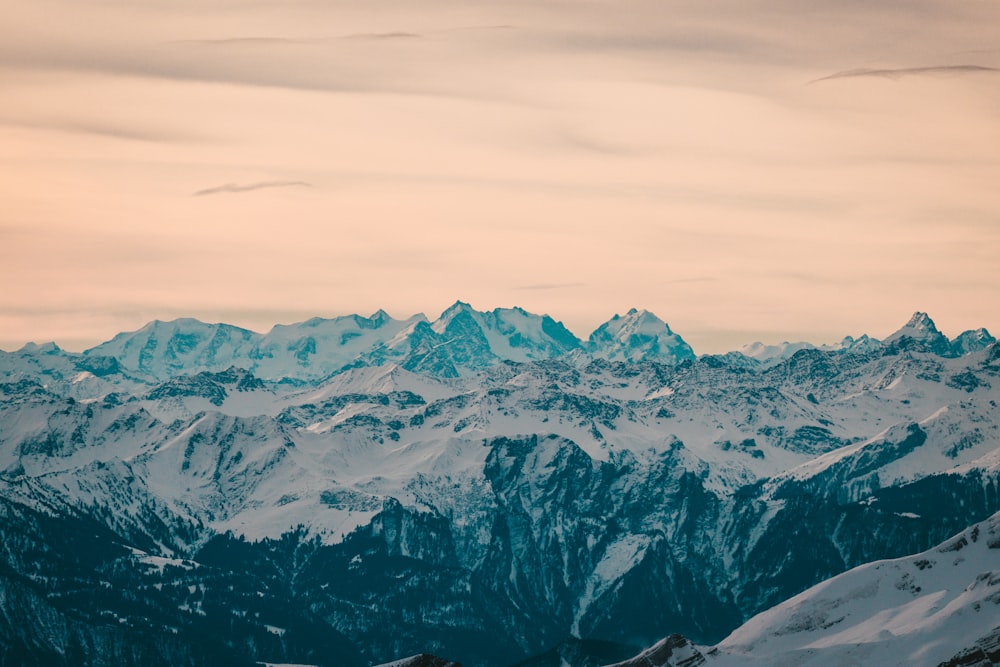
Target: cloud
{"type": "Point", "coordinates": [292, 41]}
{"type": "Point", "coordinates": [383, 35]}
{"type": "Point", "coordinates": [100, 129]}
{"type": "Point", "coordinates": [245, 41]}
{"type": "Point", "coordinates": [248, 187]}
{"type": "Point", "coordinates": [269, 63]}
{"type": "Point", "coordinates": [503, 26]}
{"type": "Point", "coordinates": [583, 142]}
{"type": "Point", "coordinates": [899, 73]}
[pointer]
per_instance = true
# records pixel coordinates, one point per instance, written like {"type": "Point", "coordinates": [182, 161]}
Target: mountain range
{"type": "Point", "coordinates": [460, 342]}
{"type": "Point", "coordinates": [489, 488]}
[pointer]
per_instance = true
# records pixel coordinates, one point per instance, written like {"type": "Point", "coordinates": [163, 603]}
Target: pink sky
{"type": "Point", "coordinates": [267, 162]}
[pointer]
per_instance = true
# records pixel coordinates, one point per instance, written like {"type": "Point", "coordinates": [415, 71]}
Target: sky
{"type": "Point", "coordinates": [747, 170]}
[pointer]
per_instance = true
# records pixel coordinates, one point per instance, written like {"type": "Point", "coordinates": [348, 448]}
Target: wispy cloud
{"type": "Point", "coordinates": [245, 41]}
{"type": "Point", "coordinates": [383, 35]}
{"type": "Point", "coordinates": [580, 141]}
{"type": "Point", "coordinates": [265, 67]}
{"type": "Point", "coordinates": [503, 26]}
{"type": "Point", "coordinates": [100, 129]}
{"type": "Point", "coordinates": [249, 187]}
{"type": "Point", "coordinates": [292, 41]}
{"type": "Point", "coordinates": [900, 72]}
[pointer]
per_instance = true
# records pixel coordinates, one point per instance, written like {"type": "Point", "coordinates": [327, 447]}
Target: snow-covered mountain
{"type": "Point", "coordinates": [313, 349]}
{"type": "Point", "coordinates": [863, 344]}
{"type": "Point", "coordinates": [484, 487]}
{"type": "Point", "coordinates": [639, 335]}
{"type": "Point", "coordinates": [164, 349]}
{"type": "Point", "coordinates": [938, 607]}
{"type": "Point", "coordinates": [971, 341]}
{"type": "Point", "coordinates": [511, 334]}
{"type": "Point", "coordinates": [319, 348]}
{"type": "Point", "coordinates": [769, 354]}
{"type": "Point", "coordinates": [919, 332]}
{"type": "Point", "coordinates": [461, 341]}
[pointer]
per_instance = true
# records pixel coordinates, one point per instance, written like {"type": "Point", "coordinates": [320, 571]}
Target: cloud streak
{"type": "Point", "coordinates": [293, 41]}
{"type": "Point", "coordinates": [99, 129]}
{"type": "Point", "coordinates": [899, 73]}
{"type": "Point", "coordinates": [250, 187]}
{"type": "Point", "coordinates": [383, 35]}
{"type": "Point", "coordinates": [470, 28]}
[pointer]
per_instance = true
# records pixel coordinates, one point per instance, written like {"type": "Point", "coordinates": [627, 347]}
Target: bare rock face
{"type": "Point", "coordinates": [985, 653]}
{"type": "Point", "coordinates": [674, 651]}
{"type": "Point", "coordinates": [422, 660]}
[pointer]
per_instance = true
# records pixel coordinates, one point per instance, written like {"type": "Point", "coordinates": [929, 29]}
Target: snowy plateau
{"type": "Point", "coordinates": [491, 489]}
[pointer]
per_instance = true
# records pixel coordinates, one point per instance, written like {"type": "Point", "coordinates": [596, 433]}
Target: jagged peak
{"type": "Point", "coordinates": [637, 335]}
{"type": "Point", "coordinates": [976, 334]}
{"type": "Point", "coordinates": [641, 315]}
{"type": "Point", "coordinates": [380, 316]}
{"type": "Point", "coordinates": [159, 329]}
{"type": "Point", "coordinates": [863, 343]}
{"type": "Point", "coordinates": [921, 321]}
{"type": "Point", "coordinates": [773, 353]}
{"type": "Point", "coordinates": [458, 310]}
{"type": "Point", "coordinates": [636, 315]}
{"type": "Point", "coordinates": [921, 329]}
{"type": "Point", "coordinates": [633, 321]}
{"type": "Point", "coordinates": [457, 307]}
{"type": "Point", "coordinates": [970, 341]}
{"type": "Point", "coordinates": [40, 348]}
{"type": "Point", "coordinates": [646, 318]}
{"type": "Point", "coordinates": [181, 324]}
{"type": "Point", "coordinates": [177, 322]}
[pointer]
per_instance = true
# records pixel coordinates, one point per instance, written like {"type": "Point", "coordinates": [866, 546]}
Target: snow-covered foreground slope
{"type": "Point", "coordinates": [458, 491]}
{"type": "Point", "coordinates": [925, 609]}
{"type": "Point", "coordinates": [917, 610]}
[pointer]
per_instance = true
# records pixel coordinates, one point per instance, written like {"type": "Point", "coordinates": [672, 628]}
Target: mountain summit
{"type": "Point", "coordinates": [922, 330]}
{"type": "Point", "coordinates": [511, 334]}
{"type": "Point", "coordinates": [162, 349]}
{"type": "Point", "coordinates": [639, 335]}
{"type": "Point", "coordinates": [922, 334]}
